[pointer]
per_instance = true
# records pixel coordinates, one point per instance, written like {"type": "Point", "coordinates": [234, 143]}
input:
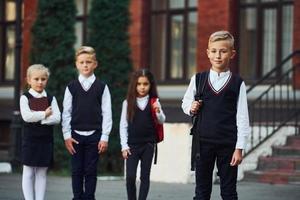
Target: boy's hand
{"type": "Point", "coordinates": [102, 146]}
{"type": "Point", "coordinates": [195, 106]}
{"type": "Point", "coordinates": [69, 145]}
{"type": "Point", "coordinates": [126, 153]}
{"type": "Point", "coordinates": [48, 112]}
{"type": "Point", "coordinates": [237, 157]}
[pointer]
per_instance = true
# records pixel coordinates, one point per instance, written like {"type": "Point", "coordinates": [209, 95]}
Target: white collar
{"type": "Point", "coordinates": [37, 94]}
{"type": "Point", "coordinates": [221, 74]}
{"type": "Point", "coordinates": [89, 79]}
{"type": "Point", "coordinates": [143, 98]}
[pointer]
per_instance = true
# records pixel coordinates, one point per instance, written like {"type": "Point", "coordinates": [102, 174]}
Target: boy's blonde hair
{"type": "Point", "coordinates": [221, 35]}
{"type": "Point", "coordinates": [37, 67]}
{"type": "Point", "coordinates": [86, 49]}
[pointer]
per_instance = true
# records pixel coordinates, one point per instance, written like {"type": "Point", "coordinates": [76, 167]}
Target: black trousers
{"type": "Point", "coordinates": [84, 166]}
{"type": "Point", "coordinates": [209, 154]}
{"type": "Point", "coordinates": [143, 153]}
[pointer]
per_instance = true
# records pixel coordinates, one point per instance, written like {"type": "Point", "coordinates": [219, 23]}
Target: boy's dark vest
{"type": "Point", "coordinates": [218, 123]}
{"type": "Point", "coordinates": [33, 130]}
{"type": "Point", "coordinates": [86, 106]}
{"type": "Point", "coordinates": [141, 128]}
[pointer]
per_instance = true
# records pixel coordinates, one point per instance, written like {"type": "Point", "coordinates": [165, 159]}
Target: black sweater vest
{"type": "Point", "coordinates": [86, 106]}
{"type": "Point", "coordinates": [141, 129]}
{"type": "Point", "coordinates": [33, 131]}
{"type": "Point", "coordinates": [218, 121]}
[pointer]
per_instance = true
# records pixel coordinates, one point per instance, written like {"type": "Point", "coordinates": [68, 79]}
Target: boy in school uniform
{"type": "Point", "coordinates": [223, 127]}
{"type": "Point", "coordinates": [86, 123]}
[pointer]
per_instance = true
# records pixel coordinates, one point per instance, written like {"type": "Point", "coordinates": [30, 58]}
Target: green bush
{"type": "Point", "coordinates": [53, 39]}
{"type": "Point", "coordinates": [108, 34]}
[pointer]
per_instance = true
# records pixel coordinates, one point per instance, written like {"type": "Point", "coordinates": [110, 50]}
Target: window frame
{"type": "Point", "coordinates": [4, 24]}
{"type": "Point", "coordinates": [83, 18]}
{"type": "Point", "coordinates": [260, 8]}
{"type": "Point", "coordinates": [169, 13]}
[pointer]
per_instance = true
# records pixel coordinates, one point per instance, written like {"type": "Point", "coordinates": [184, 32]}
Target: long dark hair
{"type": "Point", "coordinates": [132, 93]}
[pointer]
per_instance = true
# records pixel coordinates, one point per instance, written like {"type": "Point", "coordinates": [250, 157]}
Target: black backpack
{"type": "Point", "coordinates": [201, 80]}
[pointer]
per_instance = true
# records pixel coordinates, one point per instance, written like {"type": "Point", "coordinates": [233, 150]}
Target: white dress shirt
{"type": "Point", "coordinates": [86, 83]}
{"type": "Point", "coordinates": [141, 103]}
{"type": "Point", "coordinates": [30, 116]}
{"type": "Point", "coordinates": [217, 81]}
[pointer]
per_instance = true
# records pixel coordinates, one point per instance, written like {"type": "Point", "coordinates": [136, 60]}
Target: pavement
{"type": "Point", "coordinates": [59, 188]}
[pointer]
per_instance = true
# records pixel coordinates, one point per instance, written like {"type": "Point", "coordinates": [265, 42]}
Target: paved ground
{"type": "Point", "coordinates": [59, 188]}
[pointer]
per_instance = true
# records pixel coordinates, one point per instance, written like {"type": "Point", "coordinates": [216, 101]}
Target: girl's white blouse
{"type": "Point", "coordinates": [29, 115]}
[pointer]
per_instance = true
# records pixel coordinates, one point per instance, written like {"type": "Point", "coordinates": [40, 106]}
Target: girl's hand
{"type": "Point", "coordinates": [102, 146]}
{"type": "Point", "coordinates": [69, 145]}
{"type": "Point", "coordinates": [195, 106]}
{"type": "Point", "coordinates": [126, 153]}
{"type": "Point", "coordinates": [48, 112]}
{"type": "Point", "coordinates": [237, 157]}
{"type": "Point", "coordinates": [156, 107]}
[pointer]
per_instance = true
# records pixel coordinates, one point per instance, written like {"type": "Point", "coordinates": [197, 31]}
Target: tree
{"type": "Point", "coordinates": [108, 34]}
{"type": "Point", "coordinates": [53, 39]}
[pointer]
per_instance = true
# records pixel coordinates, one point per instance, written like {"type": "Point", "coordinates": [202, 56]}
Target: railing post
{"type": "Point", "coordinates": [286, 102]}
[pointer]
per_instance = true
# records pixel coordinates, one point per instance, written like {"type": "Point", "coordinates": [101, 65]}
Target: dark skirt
{"type": "Point", "coordinates": [37, 151]}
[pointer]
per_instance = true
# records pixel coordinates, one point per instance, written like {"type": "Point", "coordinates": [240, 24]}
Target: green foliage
{"type": "Point", "coordinates": [108, 34]}
{"type": "Point", "coordinates": [53, 39]}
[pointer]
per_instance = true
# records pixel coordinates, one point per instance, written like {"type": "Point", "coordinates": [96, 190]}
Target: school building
{"type": "Point", "coordinates": [170, 37]}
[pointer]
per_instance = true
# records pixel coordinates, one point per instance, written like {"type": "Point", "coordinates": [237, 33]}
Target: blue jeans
{"type": "Point", "coordinates": [209, 154]}
{"type": "Point", "coordinates": [84, 166]}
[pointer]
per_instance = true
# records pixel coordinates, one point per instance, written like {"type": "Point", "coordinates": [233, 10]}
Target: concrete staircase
{"type": "Point", "coordinates": [282, 167]}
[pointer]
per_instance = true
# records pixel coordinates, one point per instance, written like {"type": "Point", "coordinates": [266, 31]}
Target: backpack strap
{"type": "Point", "coordinates": [159, 132]}
{"type": "Point", "coordinates": [155, 153]}
{"type": "Point", "coordinates": [201, 80]}
{"type": "Point", "coordinates": [152, 101]}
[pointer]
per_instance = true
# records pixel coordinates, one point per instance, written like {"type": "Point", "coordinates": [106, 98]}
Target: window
{"type": "Point", "coordinates": [173, 39]}
{"type": "Point", "coordinates": [266, 28]}
{"type": "Point", "coordinates": [83, 8]}
{"type": "Point", "coordinates": [7, 40]}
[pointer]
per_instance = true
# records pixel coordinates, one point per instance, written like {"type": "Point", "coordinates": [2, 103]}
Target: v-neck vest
{"type": "Point", "coordinates": [86, 106]}
{"type": "Point", "coordinates": [141, 129]}
{"type": "Point", "coordinates": [218, 121]}
{"type": "Point", "coordinates": [35, 131]}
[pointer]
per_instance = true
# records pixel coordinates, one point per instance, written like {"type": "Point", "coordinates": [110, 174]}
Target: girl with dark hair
{"type": "Point", "coordinates": [137, 131]}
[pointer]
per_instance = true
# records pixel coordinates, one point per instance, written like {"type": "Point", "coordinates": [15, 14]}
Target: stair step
{"type": "Point", "coordinates": [279, 163]}
{"type": "Point", "coordinates": [293, 140]}
{"type": "Point", "coordinates": [291, 151]}
{"type": "Point", "coordinates": [273, 177]}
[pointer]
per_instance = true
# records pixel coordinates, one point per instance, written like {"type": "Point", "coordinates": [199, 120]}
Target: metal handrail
{"type": "Point", "coordinates": [276, 106]}
{"type": "Point", "coordinates": [274, 70]}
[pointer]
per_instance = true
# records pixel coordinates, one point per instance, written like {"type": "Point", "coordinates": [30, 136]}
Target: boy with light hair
{"type": "Point", "coordinates": [223, 123]}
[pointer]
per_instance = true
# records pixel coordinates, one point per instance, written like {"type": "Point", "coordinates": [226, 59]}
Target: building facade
{"type": "Point", "coordinates": [170, 37]}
